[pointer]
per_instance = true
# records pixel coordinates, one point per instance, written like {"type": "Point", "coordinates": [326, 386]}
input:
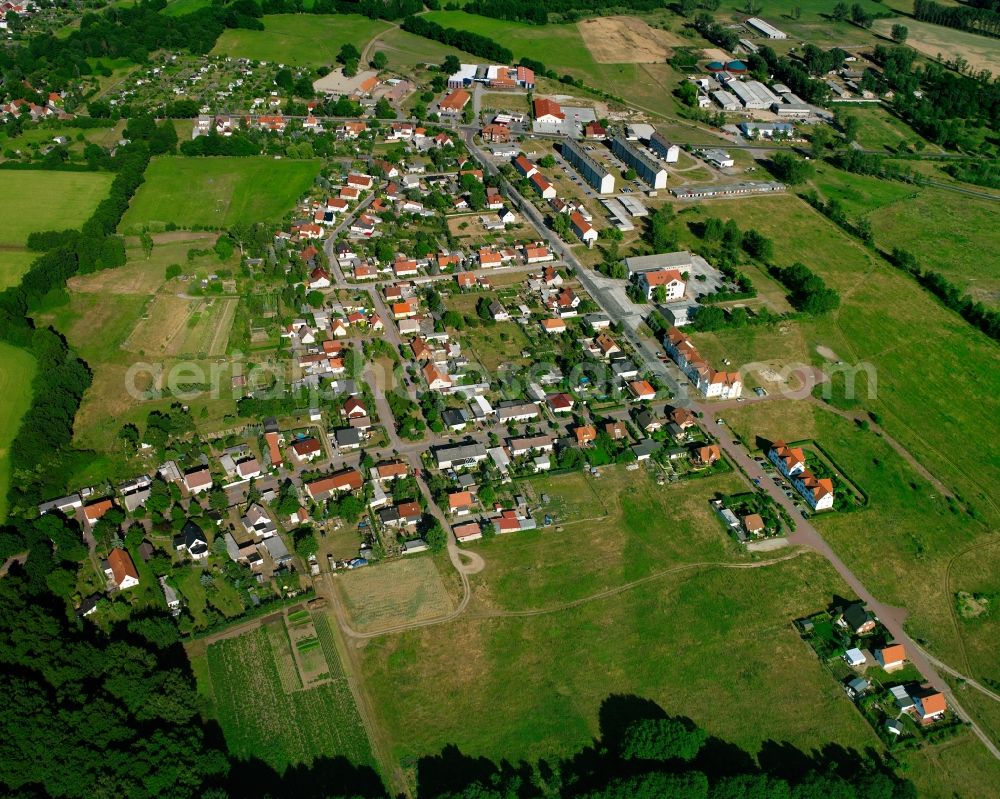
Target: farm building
{"type": "Point", "coordinates": [766, 29]}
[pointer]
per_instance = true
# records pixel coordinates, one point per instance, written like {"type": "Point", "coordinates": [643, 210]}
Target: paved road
{"type": "Point", "coordinates": [805, 534]}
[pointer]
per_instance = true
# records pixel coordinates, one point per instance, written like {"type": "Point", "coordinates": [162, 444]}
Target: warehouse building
{"type": "Point", "coordinates": [726, 101]}
{"type": "Point", "coordinates": [644, 166]}
{"type": "Point", "coordinates": [726, 190]}
{"type": "Point", "coordinates": [753, 94]}
{"type": "Point", "coordinates": [766, 29]}
{"type": "Point", "coordinates": [594, 173]}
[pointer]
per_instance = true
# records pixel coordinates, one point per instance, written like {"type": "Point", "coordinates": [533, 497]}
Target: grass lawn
{"type": "Point", "coordinates": [629, 526]}
{"type": "Point", "coordinates": [43, 200]}
{"type": "Point", "coordinates": [217, 192]}
{"type": "Point", "coordinates": [878, 129]}
{"type": "Point", "coordinates": [262, 715]}
{"type": "Point", "coordinates": [959, 767]}
{"type": "Point", "coordinates": [902, 543]}
{"type": "Point", "coordinates": [701, 644]}
{"type": "Point", "coordinates": [950, 233]}
{"type": "Point", "coordinates": [930, 364]}
{"type": "Point", "coordinates": [221, 596]}
{"type": "Point", "coordinates": [559, 46]}
{"type": "Point", "coordinates": [14, 262]}
{"type": "Point", "coordinates": [299, 39]}
{"type": "Point", "coordinates": [859, 194]}
{"type": "Point", "coordinates": [17, 369]}
{"type": "Point", "coordinates": [178, 8]}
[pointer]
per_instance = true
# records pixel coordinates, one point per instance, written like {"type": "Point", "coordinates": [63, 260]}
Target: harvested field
{"type": "Point", "coordinates": [626, 40]}
{"type": "Point", "coordinates": [931, 40]}
{"type": "Point", "coordinates": [178, 325]}
{"type": "Point", "coordinates": [394, 593]}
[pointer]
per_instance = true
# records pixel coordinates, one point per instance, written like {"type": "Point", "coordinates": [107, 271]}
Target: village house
{"type": "Point", "coordinates": [325, 487]}
{"type": "Point", "coordinates": [460, 503]}
{"type": "Point", "coordinates": [891, 658]}
{"type": "Point", "coordinates": [469, 531]}
{"type": "Point", "coordinates": [198, 480]}
{"type": "Point", "coordinates": [123, 571]}
{"type": "Point", "coordinates": [305, 450]}
{"type": "Point", "coordinates": [192, 540]}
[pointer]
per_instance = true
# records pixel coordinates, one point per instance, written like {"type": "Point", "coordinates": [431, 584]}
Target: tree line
{"type": "Point", "coordinates": [474, 43]}
{"type": "Point", "coordinates": [373, 9]}
{"type": "Point", "coordinates": [980, 18]}
{"type": "Point", "coordinates": [955, 111]}
{"type": "Point", "coordinates": [975, 313]}
{"type": "Point", "coordinates": [538, 11]}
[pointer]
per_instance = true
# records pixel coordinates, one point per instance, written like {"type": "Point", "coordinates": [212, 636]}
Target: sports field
{"type": "Point", "coordinates": [17, 369]}
{"type": "Point", "coordinates": [299, 39]}
{"type": "Point", "coordinates": [256, 693]}
{"type": "Point", "coordinates": [217, 192]}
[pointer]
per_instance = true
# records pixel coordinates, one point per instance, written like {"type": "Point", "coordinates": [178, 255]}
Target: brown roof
{"type": "Point", "coordinates": [753, 522]}
{"type": "Point", "coordinates": [307, 446]}
{"type": "Point", "coordinates": [662, 277]}
{"type": "Point", "coordinates": [460, 499]}
{"type": "Point", "coordinates": [544, 106]}
{"type": "Point", "coordinates": [409, 510]}
{"type": "Point", "coordinates": [456, 101]}
{"type": "Point", "coordinates": [585, 433]}
{"type": "Point", "coordinates": [121, 565]}
{"type": "Point", "coordinates": [392, 469]}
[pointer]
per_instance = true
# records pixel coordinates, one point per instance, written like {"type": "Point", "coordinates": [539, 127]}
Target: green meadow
{"type": "Point", "coordinates": [299, 39]}
{"type": "Point", "coordinates": [217, 192]}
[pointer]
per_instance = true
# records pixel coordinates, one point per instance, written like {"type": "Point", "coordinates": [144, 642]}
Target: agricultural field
{"type": "Point", "coordinates": [700, 644]}
{"type": "Point", "coordinates": [257, 698]}
{"type": "Point", "coordinates": [925, 550]}
{"type": "Point", "coordinates": [17, 370]}
{"type": "Point", "coordinates": [41, 200]}
{"type": "Point", "coordinates": [981, 52]}
{"type": "Point", "coordinates": [41, 206]}
{"type": "Point", "coordinates": [299, 39]}
{"type": "Point", "coordinates": [397, 592]}
{"type": "Point", "coordinates": [217, 192]}
{"type": "Point", "coordinates": [103, 314]}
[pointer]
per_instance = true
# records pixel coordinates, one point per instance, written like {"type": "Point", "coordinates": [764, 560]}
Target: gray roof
{"type": "Point", "coordinates": [667, 260]}
{"type": "Point", "coordinates": [460, 452]}
{"type": "Point", "coordinates": [347, 436]}
{"type": "Point", "coordinates": [645, 447]}
{"type": "Point", "coordinates": [277, 549]}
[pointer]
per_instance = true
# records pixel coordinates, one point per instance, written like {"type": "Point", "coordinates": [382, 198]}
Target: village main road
{"type": "Point", "coordinates": [805, 535]}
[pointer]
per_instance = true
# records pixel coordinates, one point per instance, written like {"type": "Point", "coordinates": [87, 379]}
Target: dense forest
{"type": "Point", "coordinates": [976, 17]}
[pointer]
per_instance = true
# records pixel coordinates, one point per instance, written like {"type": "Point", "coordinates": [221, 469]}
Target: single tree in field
{"type": "Point", "coordinates": [840, 12]}
{"type": "Point", "coordinates": [899, 33]}
{"type": "Point", "coordinates": [752, 7]}
{"type": "Point", "coordinates": [380, 60]}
